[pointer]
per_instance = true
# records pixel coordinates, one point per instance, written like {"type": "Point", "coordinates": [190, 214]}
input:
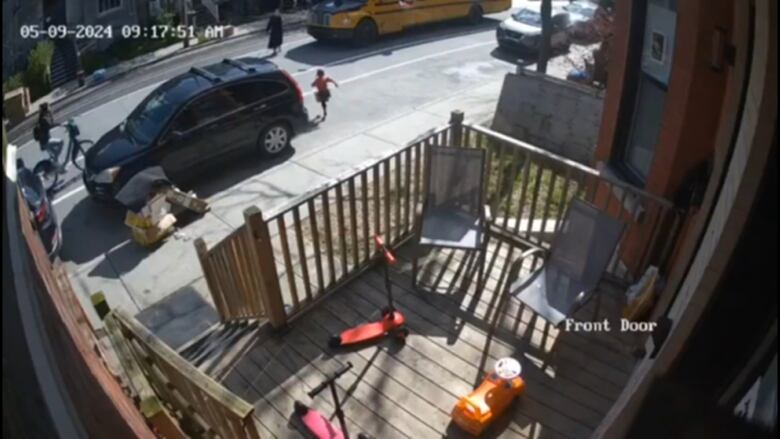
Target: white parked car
{"type": "Point", "coordinates": [522, 31]}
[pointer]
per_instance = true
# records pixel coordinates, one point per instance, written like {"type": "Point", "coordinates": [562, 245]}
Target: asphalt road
{"type": "Point", "coordinates": [384, 82]}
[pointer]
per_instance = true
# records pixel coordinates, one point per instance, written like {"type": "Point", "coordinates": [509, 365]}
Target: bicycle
{"type": "Point", "coordinates": [50, 169]}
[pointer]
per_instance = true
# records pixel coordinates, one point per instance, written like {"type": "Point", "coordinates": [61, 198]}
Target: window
{"type": "Point", "coordinates": [248, 93]}
{"type": "Point", "coordinates": [651, 62]}
{"type": "Point", "coordinates": [185, 121]}
{"type": "Point", "coordinates": [214, 105]}
{"type": "Point", "coordinates": [108, 5]}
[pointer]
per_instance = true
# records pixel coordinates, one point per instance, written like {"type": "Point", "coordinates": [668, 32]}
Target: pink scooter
{"type": "Point", "coordinates": [318, 424]}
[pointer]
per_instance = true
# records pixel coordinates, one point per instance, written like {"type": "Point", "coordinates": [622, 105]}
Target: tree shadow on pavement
{"type": "Point", "coordinates": [332, 53]}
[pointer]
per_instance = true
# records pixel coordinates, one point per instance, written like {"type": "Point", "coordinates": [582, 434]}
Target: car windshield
{"type": "Point", "coordinates": [529, 17]}
{"type": "Point", "coordinates": [151, 116]}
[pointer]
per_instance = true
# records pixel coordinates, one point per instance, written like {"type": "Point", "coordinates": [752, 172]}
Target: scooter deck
{"type": "Point", "coordinates": [318, 424]}
{"type": "Point", "coordinates": [370, 331]}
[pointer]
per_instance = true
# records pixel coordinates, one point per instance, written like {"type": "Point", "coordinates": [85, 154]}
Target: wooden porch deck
{"type": "Point", "coordinates": [392, 391]}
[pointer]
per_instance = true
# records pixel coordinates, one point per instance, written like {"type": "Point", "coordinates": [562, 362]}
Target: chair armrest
{"type": "Point", "coordinates": [530, 252]}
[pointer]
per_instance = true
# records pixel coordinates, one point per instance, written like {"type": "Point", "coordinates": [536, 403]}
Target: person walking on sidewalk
{"type": "Point", "coordinates": [275, 31]}
{"type": "Point", "coordinates": [323, 94]}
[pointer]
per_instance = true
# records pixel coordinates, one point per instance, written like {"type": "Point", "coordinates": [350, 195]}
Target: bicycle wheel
{"type": "Point", "coordinates": [47, 171]}
{"type": "Point", "coordinates": [81, 148]}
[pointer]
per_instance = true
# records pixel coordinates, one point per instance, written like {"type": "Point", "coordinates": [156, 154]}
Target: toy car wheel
{"type": "Point", "coordinates": [335, 341]}
{"type": "Point", "coordinates": [402, 334]}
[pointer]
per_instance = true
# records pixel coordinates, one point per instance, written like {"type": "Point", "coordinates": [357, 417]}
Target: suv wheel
{"type": "Point", "coordinates": [274, 139]}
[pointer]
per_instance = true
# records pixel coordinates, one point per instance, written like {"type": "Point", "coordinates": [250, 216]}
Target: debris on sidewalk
{"type": "Point", "coordinates": [156, 219]}
{"type": "Point", "coordinates": [153, 223]}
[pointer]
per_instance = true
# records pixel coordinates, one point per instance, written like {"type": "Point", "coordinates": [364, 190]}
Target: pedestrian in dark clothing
{"type": "Point", "coordinates": [44, 125]}
{"type": "Point", "coordinates": [274, 29]}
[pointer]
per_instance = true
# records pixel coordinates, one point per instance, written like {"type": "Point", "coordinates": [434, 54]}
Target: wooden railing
{"type": "Point", "coordinates": [204, 407]}
{"type": "Point", "coordinates": [528, 189]}
{"type": "Point", "coordinates": [240, 273]}
{"type": "Point", "coordinates": [324, 239]}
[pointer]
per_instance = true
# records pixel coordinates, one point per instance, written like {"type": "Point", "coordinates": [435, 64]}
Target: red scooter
{"type": "Point", "coordinates": [318, 424]}
{"type": "Point", "coordinates": [392, 321]}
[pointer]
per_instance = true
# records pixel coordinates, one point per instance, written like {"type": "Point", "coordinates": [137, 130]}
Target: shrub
{"type": "Point", "coordinates": [12, 83]}
{"type": "Point", "coordinates": [37, 77]}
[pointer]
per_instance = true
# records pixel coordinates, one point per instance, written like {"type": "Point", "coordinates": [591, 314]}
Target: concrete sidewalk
{"type": "Point", "coordinates": [165, 287]}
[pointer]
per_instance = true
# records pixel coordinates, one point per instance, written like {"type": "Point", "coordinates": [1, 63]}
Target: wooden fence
{"type": "Point", "coordinates": [98, 398]}
{"type": "Point", "coordinates": [205, 407]}
{"type": "Point", "coordinates": [277, 268]}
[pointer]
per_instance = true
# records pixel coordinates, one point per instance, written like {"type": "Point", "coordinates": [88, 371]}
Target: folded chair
{"type": "Point", "coordinates": [453, 214]}
{"type": "Point", "coordinates": [575, 263]}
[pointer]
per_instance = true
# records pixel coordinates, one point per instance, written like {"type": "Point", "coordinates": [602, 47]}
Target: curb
{"type": "Point", "coordinates": [79, 93]}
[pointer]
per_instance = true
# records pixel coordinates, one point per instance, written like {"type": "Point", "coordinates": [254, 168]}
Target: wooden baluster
{"type": "Point", "coordinates": [288, 267]}
{"type": "Point", "coordinates": [388, 201]}
{"type": "Point", "coordinates": [302, 252]}
{"type": "Point", "coordinates": [315, 235]}
{"type": "Point", "coordinates": [353, 221]}
{"type": "Point", "coordinates": [366, 219]}
{"type": "Point", "coordinates": [341, 230]}
{"type": "Point", "coordinates": [328, 237]}
{"type": "Point", "coordinates": [408, 190]}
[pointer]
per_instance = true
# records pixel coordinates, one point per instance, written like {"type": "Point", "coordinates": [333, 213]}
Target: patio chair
{"type": "Point", "coordinates": [575, 263]}
{"type": "Point", "coordinates": [453, 214]}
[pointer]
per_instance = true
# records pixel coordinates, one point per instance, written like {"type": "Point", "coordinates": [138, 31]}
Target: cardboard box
{"type": "Point", "coordinates": [147, 236]}
{"type": "Point", "coordinates": [156, 208]}
{"type": "Point", "coordinates": [188, 201]}
{"type": "Point", "coordinates": [133, 219]}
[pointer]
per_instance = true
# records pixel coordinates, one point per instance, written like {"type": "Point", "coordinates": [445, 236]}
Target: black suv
{"type": "Point", "coordinates": [197, 119]}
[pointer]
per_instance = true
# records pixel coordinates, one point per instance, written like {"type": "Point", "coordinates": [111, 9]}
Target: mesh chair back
{"type": "Point", "coordinates": [455, 179]}
{"type": "Point", "coordinates": [584, 244]}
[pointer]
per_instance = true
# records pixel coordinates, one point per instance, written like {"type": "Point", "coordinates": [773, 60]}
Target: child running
{"type": "Point", "coordinates": [323, 94]}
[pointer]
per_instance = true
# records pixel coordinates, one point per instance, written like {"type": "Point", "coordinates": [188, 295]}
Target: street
{"type": "Point", "coordinates": [389, 94]}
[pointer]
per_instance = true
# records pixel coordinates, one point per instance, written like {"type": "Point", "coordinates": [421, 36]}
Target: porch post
{"type": "Point", "coordinates": [263, 266]}
{"type": "Point", "coordinates": [456, 128]}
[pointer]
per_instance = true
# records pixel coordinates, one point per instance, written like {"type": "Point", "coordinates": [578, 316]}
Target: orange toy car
{"type": "Point", "coordinates": [475, 412]}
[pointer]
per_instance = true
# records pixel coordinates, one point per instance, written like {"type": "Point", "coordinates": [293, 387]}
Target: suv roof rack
{"type": "Point", "coordinates": [206, 74]}
{"type": "Point", "coordinates": [239, 65]}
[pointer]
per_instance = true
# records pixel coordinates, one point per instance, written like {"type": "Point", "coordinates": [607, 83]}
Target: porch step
{"type": "Point", "coordinates": [215, 351]}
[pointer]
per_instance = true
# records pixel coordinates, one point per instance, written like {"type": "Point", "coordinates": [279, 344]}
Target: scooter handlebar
{"type": "Point", "coordinates": [388, 255]}
{"type": "Point", "coordinates": [315, 391]}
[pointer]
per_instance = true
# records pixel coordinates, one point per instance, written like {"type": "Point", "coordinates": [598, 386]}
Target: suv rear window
{"type": "Point", "coordinates": [248, 93]}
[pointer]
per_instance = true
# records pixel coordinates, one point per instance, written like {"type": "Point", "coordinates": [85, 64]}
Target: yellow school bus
{"type": "Point", "coordinates": [362, 21]}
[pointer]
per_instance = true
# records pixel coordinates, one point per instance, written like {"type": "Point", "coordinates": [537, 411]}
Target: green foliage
{"type": "Point", "coordinates": [12, 83]}
{"type": "Point", "coordinates": [37, 77]}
